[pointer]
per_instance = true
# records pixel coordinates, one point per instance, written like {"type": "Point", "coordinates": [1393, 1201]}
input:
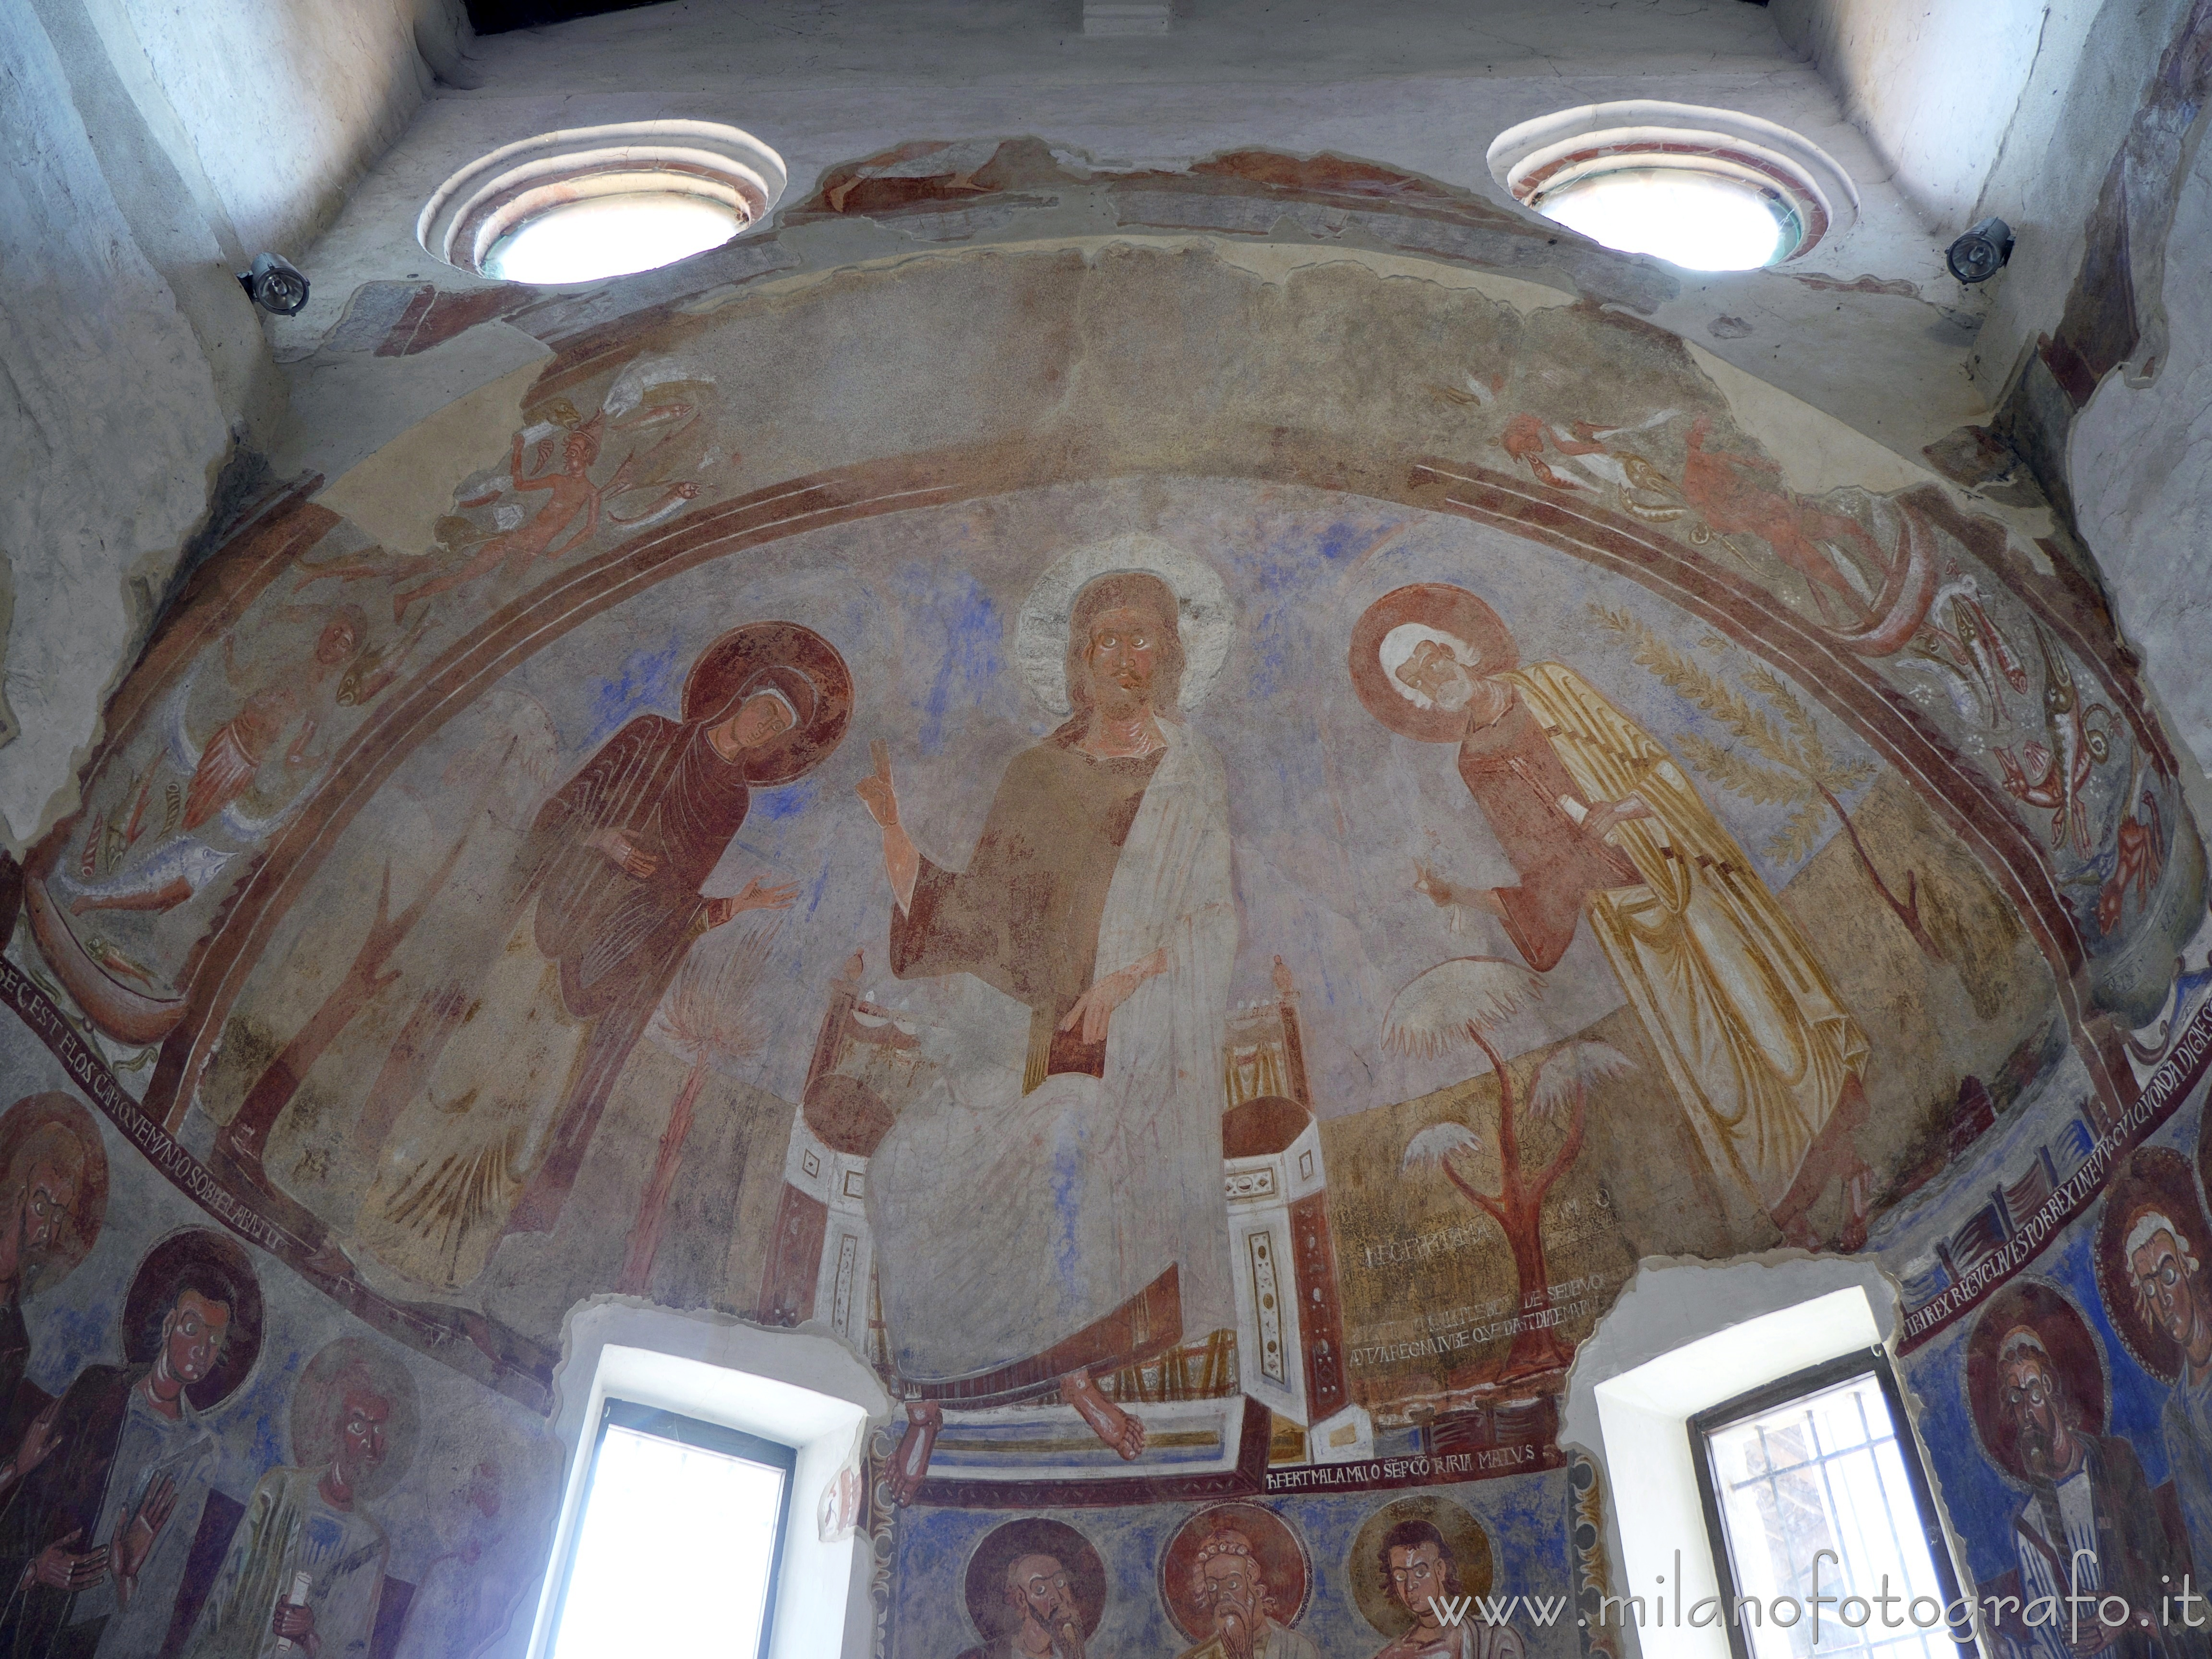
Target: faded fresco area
{"type": "Point", "coordinates": [1348, 909]}
{"type": "Point", "coordinates": [1205, 947]}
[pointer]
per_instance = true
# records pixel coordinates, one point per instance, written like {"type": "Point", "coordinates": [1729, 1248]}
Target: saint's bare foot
{"type": "Point", "coordinates": [910, 1464]}
{"type": "Point", "coordinates": [1108, 1420]}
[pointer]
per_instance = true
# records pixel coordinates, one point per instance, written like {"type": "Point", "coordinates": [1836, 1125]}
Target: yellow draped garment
{"type": "Point", "coordinates": [1754, 1039]}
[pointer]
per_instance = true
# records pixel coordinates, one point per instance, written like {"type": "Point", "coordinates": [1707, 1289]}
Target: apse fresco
{"type": "Point", "coordinates": [1208, 971]}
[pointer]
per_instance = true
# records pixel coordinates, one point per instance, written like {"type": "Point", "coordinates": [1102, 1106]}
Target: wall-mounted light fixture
{"type": "Point", "coordinates": [275, 284]}
{"type": "Point", "coordinates": [1981, 253]}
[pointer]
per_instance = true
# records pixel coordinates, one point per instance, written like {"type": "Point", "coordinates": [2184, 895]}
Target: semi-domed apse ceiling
{"type": "Point", "coordinates": [1249, 823]}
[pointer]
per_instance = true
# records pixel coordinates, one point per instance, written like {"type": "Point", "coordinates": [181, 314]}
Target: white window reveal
{"type": "Point", "coordinates": [586, 204]}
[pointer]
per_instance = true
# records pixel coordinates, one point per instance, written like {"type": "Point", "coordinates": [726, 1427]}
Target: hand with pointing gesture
{"type": "Point", "coordinates": [901, 863]}
{"type": "Point", "coordinates": [876, 789]}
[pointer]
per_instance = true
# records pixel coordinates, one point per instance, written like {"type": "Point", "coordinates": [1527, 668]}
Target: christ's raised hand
{"type": "Point", "coordinates": [877, 791]}
{"type": "Point", "coordinates": [901, 863]}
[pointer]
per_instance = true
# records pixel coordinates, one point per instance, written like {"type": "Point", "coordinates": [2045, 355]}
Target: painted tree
{"type": "Point", "coordinates": [1786, 764]}
{"type": "Point", "coordinates": [709, 1018]}
{"type": "Point", "coordinates": [1468, 1000]}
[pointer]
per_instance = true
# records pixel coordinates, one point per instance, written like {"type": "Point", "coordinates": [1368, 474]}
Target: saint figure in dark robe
{"type": "Point", "coordinates": [605, 901]}
{"type": "Point", "coordinates": [93, 1541]}
{"type": "Point", "coordinates": [1040, 1221]}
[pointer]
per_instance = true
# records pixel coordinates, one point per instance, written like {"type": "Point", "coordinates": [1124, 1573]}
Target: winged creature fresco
{"type": "Point", "coordinates": [545, 503]}
{"type": "Point", "coordinates": [2054, 774]}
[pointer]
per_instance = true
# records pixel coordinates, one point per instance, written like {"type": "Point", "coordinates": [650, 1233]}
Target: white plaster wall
{"type": "Point", "coordinates": [2141, 468]}
{"type": "Point", "coordinates": [2013, 107]}
{"type": "Point", "coordinates": [1935, 87]}
{"type": "Point", "coordinates": [111, 429]}
{"type": "Point", "coordinates": [289, 102]}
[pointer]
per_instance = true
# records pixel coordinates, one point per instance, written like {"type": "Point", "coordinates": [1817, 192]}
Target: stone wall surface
{"type": "Point", "coordinates": [2142, 473]}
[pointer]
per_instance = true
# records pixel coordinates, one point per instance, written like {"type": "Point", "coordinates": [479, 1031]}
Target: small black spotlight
{"type": "Point", "coordinates": [275, 284]}
{"type": "Point", "coordinates": [1981, 253]}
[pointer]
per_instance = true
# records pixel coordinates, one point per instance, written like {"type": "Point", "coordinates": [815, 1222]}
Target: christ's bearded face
{"type": "Point", "coordinates": [1038, 1587]}
{"type": "Point", "coordinates": [1123, 650]}
{"type": "Point", "coordinates": [2168, 1288]}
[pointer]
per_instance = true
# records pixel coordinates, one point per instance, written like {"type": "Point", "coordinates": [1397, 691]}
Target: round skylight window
{"type": "Point", "coordinates": [595, 203]}
{"type": "Point", "coordinates": [596, 236]}
{"type": "Point", "coordinates": [1703, 188]}
{"type": "Point", "coordinates": [1687, 215]}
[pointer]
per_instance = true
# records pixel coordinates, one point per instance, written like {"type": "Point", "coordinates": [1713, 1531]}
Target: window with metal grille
{"type": "Point", "coordinates": [1814, 1487]}
{"type": "Point", "coordinates": [679, 1540]}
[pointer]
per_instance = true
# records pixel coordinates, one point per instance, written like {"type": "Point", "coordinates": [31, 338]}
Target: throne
{"type": "Point", "coordinates": [867, 1065]}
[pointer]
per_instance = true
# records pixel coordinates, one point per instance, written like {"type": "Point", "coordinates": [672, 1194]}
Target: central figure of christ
{"type": "Point", "coordinates": [1045, 1219]}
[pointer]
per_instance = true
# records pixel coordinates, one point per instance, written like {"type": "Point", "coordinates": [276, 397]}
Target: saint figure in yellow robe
{"type": "Point", "coordinates": [1599, 822]}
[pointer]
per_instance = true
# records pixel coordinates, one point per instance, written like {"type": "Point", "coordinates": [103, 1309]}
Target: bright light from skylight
{"type": "Point", "coordinates": [597, 236]}
{"type": "Point", "coordinates": [673, 1554]}
{"type": "Point", "coordinates": [1699, 220]}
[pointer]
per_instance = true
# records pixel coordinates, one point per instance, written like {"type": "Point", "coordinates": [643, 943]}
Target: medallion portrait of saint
{"type": "Point", "coordinates": [1602, 826]}
{"type": "Point", "coordinates": [104, 1492]}
{"type": "Point", "coordinates": [2088, 1520]}
{"type": "Point", "coordinates": [1235, 1579]}
{"type": "Point", "coordinates": [2150, 1255]}
{"type": "Point", "coordinates": [1059, 1212]}
{"type": "Point", "coordinates": [1035, 1589]}
{"type": "Point", "coordinates": [1411, 1561]}
{"type": "Point", "coordinates": [603, 901]}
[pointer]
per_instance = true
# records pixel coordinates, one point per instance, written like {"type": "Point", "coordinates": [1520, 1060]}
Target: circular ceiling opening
{"type": "Point", "coordinates": [594, 202]}
{"type": "Point", "coordinates": [1703, 188]}
{"type": "Point", "coordinates": [1689, 216]}
{"type": "Point", "coordinates": [596, 236]}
